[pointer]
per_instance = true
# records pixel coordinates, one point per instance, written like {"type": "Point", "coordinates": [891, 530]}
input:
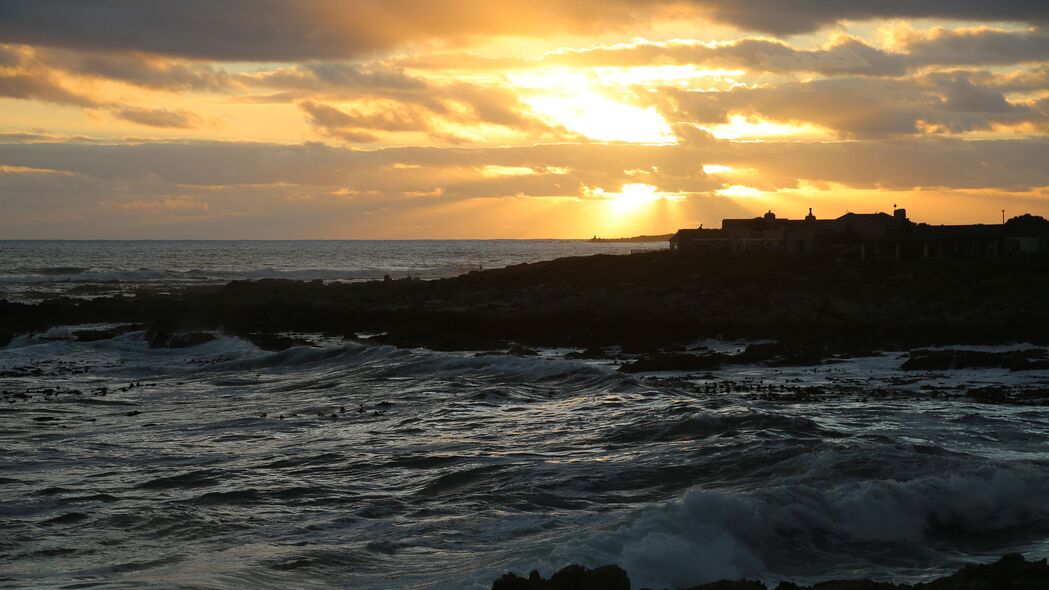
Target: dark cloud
{"type": "Point", "coordinates": [40, 87]}
{"type": "Point", "coordinates": [355, 126]}
{"type": "Point", "coordinates": [290, 30]}
{"type": "Point", "coordinates": [162, 118]}
{"type": "Point", "coordinates": [211, 189]}
{"type": "Point", "coordinates": [844, 55]}
{"type": "Point", "coordinates": [1019, 81]}
{"type": "Point", "coordinates": [461, 61]}
{"type": "Point", "coordinates": [860, 107]}
{"type": "Point", "coordinates": [900, 163]}
{"type": "Point", "coordinates": [401, 103]}
{"type": "Point", "coordinates": [799, 16]}
{"type": "Point", "coordinates": [9, 57]}
{"type": "Point", "coordinates": [339, 79]}
{"type": "Point", "coordinates": [979, 46]}
{"type": "Point", "coordinates": [141, 71]}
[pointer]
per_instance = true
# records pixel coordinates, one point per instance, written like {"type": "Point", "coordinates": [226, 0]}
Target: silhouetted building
{"type": "Point", "coordinates": [867, 235]}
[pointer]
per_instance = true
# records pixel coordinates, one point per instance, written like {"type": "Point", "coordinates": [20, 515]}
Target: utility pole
{"type": "Point", "coordinates": [1003, 216]}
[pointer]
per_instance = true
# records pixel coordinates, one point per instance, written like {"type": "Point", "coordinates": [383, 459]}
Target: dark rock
{"type": "Point", "coordinates": [593, 353]}
{"type": "Point", "coordinates": [573, 577]}
{"type": "Point", "coordinates": [1011, 572]}
{"type": "Point", "coordinates": [518, 350]}
{"type": "Point", "coordinates": [642, 303]}
{"type": "Point", "coordinates": [990, 395]}
{"type": "Point", "coordinates": [946, 360]}
{"type": "Point", "coordinates": [781, 354]}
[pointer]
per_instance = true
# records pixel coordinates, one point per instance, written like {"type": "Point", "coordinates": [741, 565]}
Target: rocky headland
{"type": "Point", "coordinates": [644, 303]}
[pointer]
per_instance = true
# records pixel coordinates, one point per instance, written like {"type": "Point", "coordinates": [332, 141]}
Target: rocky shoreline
{"type": "Point", "coordinates": [645, 303]}
{"type": "Point", "coordinates": [1010, 572]}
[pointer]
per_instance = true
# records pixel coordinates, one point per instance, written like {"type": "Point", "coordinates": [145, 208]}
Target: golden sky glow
{"type": "Point", "coordinates": [412, 119]}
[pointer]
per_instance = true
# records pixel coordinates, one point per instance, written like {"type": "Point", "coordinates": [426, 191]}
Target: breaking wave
{"type": "Point", "coordinates": [780, 530]}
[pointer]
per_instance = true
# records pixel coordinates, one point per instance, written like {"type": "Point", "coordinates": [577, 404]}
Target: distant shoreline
{"type": "Point", "coordinates": [635, 239]}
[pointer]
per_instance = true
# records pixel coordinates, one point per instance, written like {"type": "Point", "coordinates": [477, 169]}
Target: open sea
{"type": "Point", "coordinates": [350, 465]}
{"type": "Point", "coordinates": [32, 269]}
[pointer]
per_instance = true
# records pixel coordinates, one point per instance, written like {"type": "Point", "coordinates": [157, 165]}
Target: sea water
{"type": "Point", "coordinates": [354, 465]}
{"type": "Point", "coordinates": [36, 269]}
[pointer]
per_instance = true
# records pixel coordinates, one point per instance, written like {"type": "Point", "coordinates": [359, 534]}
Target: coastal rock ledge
{"type": "Point", "coordinates": [1011, 572]}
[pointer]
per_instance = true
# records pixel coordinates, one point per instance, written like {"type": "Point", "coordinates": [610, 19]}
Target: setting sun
{"type": "Point", "coordinates": [632, 197]}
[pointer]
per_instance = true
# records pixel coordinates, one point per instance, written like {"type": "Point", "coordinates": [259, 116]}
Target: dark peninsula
{"type": "Point", "coordinates": [634, 239]}
{"type": "Point", "coordinates": [642, 301]}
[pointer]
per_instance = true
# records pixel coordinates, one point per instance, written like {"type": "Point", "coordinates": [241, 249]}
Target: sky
{"type": "Point", "coordinates": [421, 119]}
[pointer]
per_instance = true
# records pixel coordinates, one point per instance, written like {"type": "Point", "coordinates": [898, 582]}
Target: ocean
{"type": "Point", "coordinates": [355, 465]}
{"type": "Point", "coordinates": [38, 269]}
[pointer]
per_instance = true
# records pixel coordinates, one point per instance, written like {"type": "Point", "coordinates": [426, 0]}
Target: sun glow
{"type": "Point", "coordinates": [739, 190]}
{"type": "Point", "coordinates": [580, 102]}
{"type": "Point", "coordinates": [601, 118]}
{"type": "Point", "coordinates": [717, 169]}
{"type": "Point", "coordinates": [634, 197]}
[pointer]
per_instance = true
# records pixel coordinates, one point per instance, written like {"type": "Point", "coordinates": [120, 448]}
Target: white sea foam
{"type": "Point", "coordinates": [713, 535]}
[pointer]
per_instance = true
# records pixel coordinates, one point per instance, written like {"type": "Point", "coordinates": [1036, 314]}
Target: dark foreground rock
{"type": "Point", "coordinates": [573, 577]}
{"type": "Point", "coordinates": [946, 360]}
{"type": "Point", "coordinates": [1011, 572]}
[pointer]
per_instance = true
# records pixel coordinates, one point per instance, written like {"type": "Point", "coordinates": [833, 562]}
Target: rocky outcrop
{"type": "Point", "coordinates": [573, 577]}
{"type": "Point", "coordinates": [644, 303]}
{"type": "Point", "coordinates": [1011, 572]}
{"type": "Point", "coordinates": [946, 360]}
